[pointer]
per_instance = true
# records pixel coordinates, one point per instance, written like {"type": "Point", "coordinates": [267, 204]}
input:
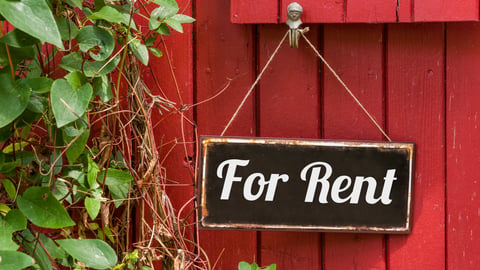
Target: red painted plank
{"type": "Point", "coordinates": [288, 104]}
{"type": "Point", "coordinates": [356, 53]}
{"type": "Point", "coordinates": [251, 11]}
{"type": "Point", "coordinates": [445, 10]}
{"type": "Point", "coordinates": [224, 50]}
{"type": "Point", "coordinates": [371, 11]}
{"type": "Point", "coordinates": [404, 10]}
{"type": "Point", "coordinates": [463, 135]}
{"type": "Point", "coordinates": [415, 112]}
{"type": "Point", "coordinates": [168, 129]}
{"type": "Point", "coordinates": [316, 11]}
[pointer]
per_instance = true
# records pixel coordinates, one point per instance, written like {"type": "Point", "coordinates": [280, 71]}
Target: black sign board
{"type": "Point", "coordinates": [287, 184]}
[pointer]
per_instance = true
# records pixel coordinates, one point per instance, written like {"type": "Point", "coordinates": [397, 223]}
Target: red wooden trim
{"type": "Point", "coordinates": [224, 50]}
{"type": "Point", "coordinates": [356, 53]}
{"type": "Point", "coordinates": [463, 136]}
{"type": "Point", "coordinates": [415, 112]}
{"type": "Point", "coordinates": [316, 11]}
{"type": "Point", "coordinates": [252, 11]}
{"type": "Point", "coordinates": [405, 10]}
{"type": "Point", "coordinates": [371, 11]}
{"type": "Point", "coordinates": [288, 104]}
{"type": "Point", "coordinates": [446, 10]}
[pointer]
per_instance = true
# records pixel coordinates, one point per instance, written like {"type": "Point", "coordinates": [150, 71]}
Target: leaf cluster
{"type": "Point", "coordinates": [64, 180]}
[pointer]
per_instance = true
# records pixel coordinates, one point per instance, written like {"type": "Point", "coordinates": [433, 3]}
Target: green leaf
{"type": "Point", "coordinates": [76, 79]}
{"type": "Point", "coordinates": [139, 50]}
{"type": "Point", "coordinates": [2, 159]}
{"type": "Point", "coordinates": [93, 253]}
{"type": "Point", "coordinates": [40, 85]}
{"type": "Point", "coordinates": [163, 29]}
{"type": "Point", "coordinates": [170, 4]}
{"type": "Point", "coordinates": [17, 38]}
{"type": "Point", "coordinates": [30, 243]}
{"type": "Point", "coordinates": [75, 3]}
{"type": "Point", "coordinates": [165, 11]}
{"type": "Point", "coordinates": [174, 24]}
{"type": "Point", "coordinates": [182, 18]}
{"type": "Point", "coordinates": [244, 266]}
{"type": "Point", "coordinates": [9, 187]}
{"type": "Point", "coordinates": [117, 177]}
{"type": "Point", "coordinates": [14, 99]}
{"type": "Point", "coordinates": [75, 134]}
{"type": "Point", "coordinates": [62, 94]}
{"type": "Point", "coordinates": [74, 61]}
{"type": "Point", "coordinates": [33, 17]}
{"type": "Point", "coordinates": [93, 207]}
{"type": "Point", "coordinates": [37, 104]}
{"type": "Point", "coordinates": [42, 209]}
{"type": "Point", "coordinates": [92, 172]}
{"type": "Point", "coordinates": [13, 260]}
{"type": "Point", "coordinates": [12, 222]}
{"type": "Point", "coordinates": [271, 267]}
{"type": "Point", "coordinates": [92, 37]}
{"type": "Point", "coordinates": [118, 182]}
{"type": "Point", "coordinates": [108, 14]}
{"type": "Point", "coordinates": [68, 29]}
{"type": "Point", "coordinates": [102, 89]}
{"type": "Point", "coordinates": [156, 52]}
{"type": "Point", "coordinates": [5, 133]}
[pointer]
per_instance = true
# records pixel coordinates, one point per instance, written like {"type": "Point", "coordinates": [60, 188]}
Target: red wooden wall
{"type": "Point", "coordinates": [419, 80]}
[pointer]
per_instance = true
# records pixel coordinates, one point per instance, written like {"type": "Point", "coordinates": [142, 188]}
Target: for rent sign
{"type": "Point", "coordinates": [286, 184]}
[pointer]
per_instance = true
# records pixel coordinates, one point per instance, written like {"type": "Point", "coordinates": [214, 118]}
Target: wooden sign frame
{"type": "Point", "coordinates": [305, 185]}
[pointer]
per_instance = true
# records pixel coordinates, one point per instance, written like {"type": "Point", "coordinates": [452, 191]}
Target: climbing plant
{"type": "Point", "coordinates": [77, 152]}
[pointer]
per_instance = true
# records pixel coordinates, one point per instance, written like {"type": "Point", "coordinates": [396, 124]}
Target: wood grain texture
{"type": "Point", "coordinates": [404, 10]}
{"type": "Point", "coordinates": [415, 113]}
{"type": "Point", "coordinates": [315, 11]}
{"type": "Point", "coordinates": [445, 10]}
{"type": "Point", "coordinates": [288, 105]}
{"type": "Point", "coordinates": [371, 11]}
{"type": "Point", "coordinates": [251, 11]}
{"type": "Point", "coordinates": [224, 50]}
{"type": "Point", "coordinates": [356, 53]}
{"type": "Point", "coordinates": [463, 136]}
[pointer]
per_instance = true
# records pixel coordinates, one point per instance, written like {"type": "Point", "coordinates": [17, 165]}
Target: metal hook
{"type": "Point", "coordinates": [294, 11]}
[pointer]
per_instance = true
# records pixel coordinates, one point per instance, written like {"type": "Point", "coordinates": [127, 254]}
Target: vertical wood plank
{"type": "Point", "coordinates": [404, 10]}
{"type": "Point", "coordinates": [463, 137]}
{"type": "Point", "coordinates": [170, 138]}
{"type": "Point", "coordinates": [251, 11]}
{"type": "Point", "coordinates": [288, 104]}
{"type": "Point", "coordinates": [224, 50]}
{"type": "Point", "coordinates": [356, 53]}
{"type": "Point", "coordinates": [316, 11]}
{"type": "Point", "coordinates": [371, 11]}
{"type": "Point", "coordinates": [415, 112]}
{"type": "Point", "coordinates": [445, 10]}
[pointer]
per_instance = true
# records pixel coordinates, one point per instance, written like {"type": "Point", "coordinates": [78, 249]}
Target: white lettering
{"type": "Point", "coordinates": [230, 175]}
{"type": "Point", "coordinates": [315, 179]}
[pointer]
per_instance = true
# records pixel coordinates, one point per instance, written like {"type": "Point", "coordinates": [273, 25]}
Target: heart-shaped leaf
{"type": "Point", "coordinates": [13, 260]}
{"type": "Point", "coordinates": [108, 14]}
{"type": "Point", "coordinates": [68, 104]}
{"type": "Point", "coordinates": [93, 253]}
{"type": "Point", "coordinates": [34, 17]}
{"type": "Point", "coordinates": [97, 40]}
{"type": "Point", "coordinates": [14, 99]}
{"type": "Point", "coordinates": [12, 222]}
{"type": "Point", "coordinates": [42, 209]}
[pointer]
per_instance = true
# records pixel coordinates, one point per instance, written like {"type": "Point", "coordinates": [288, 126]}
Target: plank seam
{"type": "Point", "coordinates": [445, 141]}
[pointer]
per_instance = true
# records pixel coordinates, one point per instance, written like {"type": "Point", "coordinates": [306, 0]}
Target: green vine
{"type": "Point", "coordinates": [77, 154]}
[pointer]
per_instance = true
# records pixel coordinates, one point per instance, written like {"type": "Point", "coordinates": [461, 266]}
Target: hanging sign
{"type": "Point", "coordinates": [289, 184]}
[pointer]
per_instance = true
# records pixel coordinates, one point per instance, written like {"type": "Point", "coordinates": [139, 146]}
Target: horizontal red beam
{"type": "Point", "coordinates": [356, 11]}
